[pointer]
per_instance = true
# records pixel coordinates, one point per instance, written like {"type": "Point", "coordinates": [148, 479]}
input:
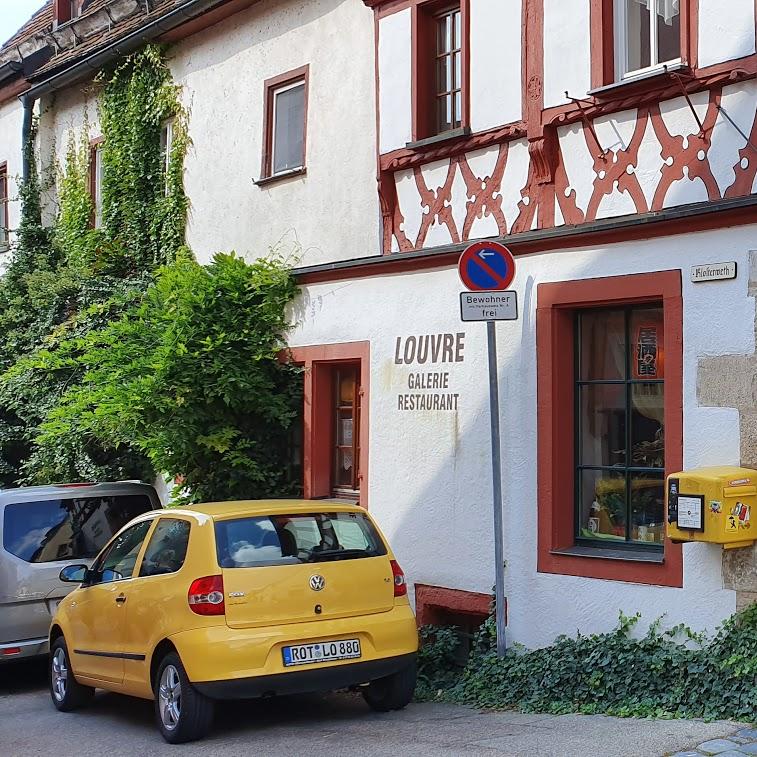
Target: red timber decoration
{"type": "Point", "coordinates": [637, 148]}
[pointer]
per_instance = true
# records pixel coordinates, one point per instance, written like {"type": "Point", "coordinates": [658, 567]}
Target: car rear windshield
{"type": "Point", "coordinates": [291, 539]}
{"type": "Point", "coordinates": [67, 529]}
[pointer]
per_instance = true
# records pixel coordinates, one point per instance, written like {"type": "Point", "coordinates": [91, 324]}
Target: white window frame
{"type": "Point", "coordinates": [621, 47]}
{"type": "Point", "coordinates": [166, 142]}
{"type": "Point", "coordinates": [276, 92]}
{"type": "Point", "coordinates": [98, 182]}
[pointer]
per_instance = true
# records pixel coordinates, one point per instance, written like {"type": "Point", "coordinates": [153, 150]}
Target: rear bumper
{"type": "Point", "coordinates": [305, 681]}
{"type": "Point", "coordinates": [26, 648]}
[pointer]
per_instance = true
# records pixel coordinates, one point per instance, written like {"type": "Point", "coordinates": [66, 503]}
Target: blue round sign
{"type": "Point", "coordinates": [486, 266]}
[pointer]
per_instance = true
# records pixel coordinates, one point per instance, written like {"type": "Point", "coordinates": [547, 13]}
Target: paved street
{"type": "Point", "coordinates": [335, 725]}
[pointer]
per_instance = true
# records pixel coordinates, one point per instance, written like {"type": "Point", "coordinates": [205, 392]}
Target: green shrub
{"type": "Point", "coordinates": [672, 673]}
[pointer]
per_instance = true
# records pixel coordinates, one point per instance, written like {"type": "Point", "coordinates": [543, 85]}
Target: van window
{"type": "Point", "coordinates": [291, 539]}
{"type": "Point", "coordinates": [67, 529]}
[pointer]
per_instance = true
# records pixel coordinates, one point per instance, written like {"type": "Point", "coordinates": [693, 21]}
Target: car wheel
{"type": "Point", "coordinates": [182, 713]}
{"type": "Point", "coordinates": [66, 692]}
{"type": "Point", "coordinates": [393, 692]}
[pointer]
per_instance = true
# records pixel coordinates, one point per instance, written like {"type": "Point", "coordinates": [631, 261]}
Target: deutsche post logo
{"type": "Point", "coordinates": [317, 583]}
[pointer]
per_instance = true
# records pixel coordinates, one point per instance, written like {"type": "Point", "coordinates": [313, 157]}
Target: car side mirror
{"type": "Point", "coordinates": [74, 574]}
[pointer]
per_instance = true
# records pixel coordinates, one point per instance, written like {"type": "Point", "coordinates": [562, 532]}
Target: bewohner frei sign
{"type": "Point", "coordinates": [713, 272]}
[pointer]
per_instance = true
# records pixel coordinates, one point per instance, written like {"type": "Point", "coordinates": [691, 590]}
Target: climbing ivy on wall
{"type": "Point", "coordinates": [68, 279]}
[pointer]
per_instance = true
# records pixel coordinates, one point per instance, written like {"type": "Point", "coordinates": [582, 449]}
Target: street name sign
{"type": "Point", "coordinates": [713, 272]}
{"type": "Point", "coordinates": [489, 306]}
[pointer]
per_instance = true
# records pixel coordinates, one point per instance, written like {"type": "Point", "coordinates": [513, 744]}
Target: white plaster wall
{"type": "Point", "coordinates": [725, 33]}
{"type": "Point", "coordinates": [395, 80]}
{"type": "Point", "coordinates": [429, 472]}
{"type": "Point", "coordinates": [495, 63]}
{"type": "Point", "coordinates": [332, 212]}
{"type": "Point", "coordinates": [567, 50]}
{"type": "Point", "coordinates": [11, 121]}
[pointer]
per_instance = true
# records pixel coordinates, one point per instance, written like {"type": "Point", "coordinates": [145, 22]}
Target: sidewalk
{"type": "Point", "coordinates": [744, 741]}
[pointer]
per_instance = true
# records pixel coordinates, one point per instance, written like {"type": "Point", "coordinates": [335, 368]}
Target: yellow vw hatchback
{"type": "Point", "coordinates": [233, 600]}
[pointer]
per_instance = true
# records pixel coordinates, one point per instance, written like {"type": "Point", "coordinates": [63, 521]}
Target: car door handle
{"type": "Point", "coordinates": [120, 599]}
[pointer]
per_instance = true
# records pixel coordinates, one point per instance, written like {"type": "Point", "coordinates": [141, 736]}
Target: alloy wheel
{"type": "Point", "coordinates": [60, 674]}
{"type": "Point", "coordinates": [169, 695]}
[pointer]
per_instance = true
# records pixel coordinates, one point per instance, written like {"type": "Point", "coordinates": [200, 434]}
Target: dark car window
{"type": "Point", "coordinates": [289, 539]}
{"type": "Point", "coordinates": [67, 529]}
{"type": "Point", "coordinates": [118, 561]}
{"type": "Point", "coordinates": [167, 547]}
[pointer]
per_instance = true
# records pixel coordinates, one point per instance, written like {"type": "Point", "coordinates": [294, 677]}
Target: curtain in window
{"type": "Point", "coordinates": [668, 9]}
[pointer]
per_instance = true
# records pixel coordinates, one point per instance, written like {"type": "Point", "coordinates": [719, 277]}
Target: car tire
{"type": "Point", "coordinates": [181, 712]}
{"type": "Point", "coordinates": [393, 692]}
{"type": "Point", "coordinates": [66, 692]}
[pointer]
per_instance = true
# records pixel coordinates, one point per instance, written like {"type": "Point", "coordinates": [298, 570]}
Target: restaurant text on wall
{"type": "Point", "coordinates": [429, 389]}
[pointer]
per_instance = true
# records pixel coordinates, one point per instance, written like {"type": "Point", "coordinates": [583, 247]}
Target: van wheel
{"type": "Point", "coordinates": [182, 713]}
{"type": "Point", "coordinates": [393, 692]}
{"type": "Point", "coordinates": [66, 692]}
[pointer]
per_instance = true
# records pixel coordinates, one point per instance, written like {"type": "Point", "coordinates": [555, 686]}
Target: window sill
{"type": "Point", "coordinates": [292, 173]}
{"type": "Point", "coordinates": [610, 90]}
{"type": "Point", "coordinates": [608, 553]}
{"type": "Point", "coordinates": [445, 136]}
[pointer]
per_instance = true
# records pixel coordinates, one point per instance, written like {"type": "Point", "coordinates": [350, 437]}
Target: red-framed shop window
{"type": "Point", "coordinates": [573, 539]}
{"type": "Point", "coordinates": [633, 39]}
{"type": "Point", "coordinates": [335, 419]}
{"type": "Point", "coordinates": [440, 67]}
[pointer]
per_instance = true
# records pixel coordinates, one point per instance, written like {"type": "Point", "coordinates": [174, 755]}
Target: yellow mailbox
{"type": "Point", "coordinates": [713, 504]}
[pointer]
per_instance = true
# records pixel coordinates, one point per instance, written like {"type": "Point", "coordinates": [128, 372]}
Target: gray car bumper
{"type": "Point", "coordinates": [16, 650]}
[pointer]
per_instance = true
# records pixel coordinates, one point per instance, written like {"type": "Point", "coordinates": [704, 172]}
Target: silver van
{"type": "Point", "coordinates": [43, 529]}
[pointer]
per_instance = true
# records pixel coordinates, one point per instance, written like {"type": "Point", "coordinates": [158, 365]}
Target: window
{"type": "Point", "coordinates": [4, 222]}
{"type": "Point", "coordinates": [648, 35]}
{"type": "Point", "coordinates": [66, 10]}
{"type": "Point", "coordinates": [67, 529]}
{"type": "Point", "coordinates": [96, 181]}
{"type": "Point", "coordinates": [285, 123]}
{"type": "Point", "coordinates": [118, 562]}
{"type": "Point", "coordinates": [620, 440]}
{"type": "Point", "coordinates": [346, 430]}
{"type": "Point", "coordinates": [609, 425]}
{"type": "Point", "coordinates": [440, 71]}
{"type": "Point", "coordinates": [292, 539]}
{"type": "Point", "coordinates": [167, 548]}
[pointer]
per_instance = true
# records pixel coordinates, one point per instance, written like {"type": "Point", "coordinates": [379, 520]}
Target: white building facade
{"type": "Point", "coordinates": [611, 145]}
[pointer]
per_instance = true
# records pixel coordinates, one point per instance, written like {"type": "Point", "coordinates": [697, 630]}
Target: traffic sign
{"type": "Point", "coordinates": [486, 266]}
{"type": "Point", "coordinates": [489, 306]}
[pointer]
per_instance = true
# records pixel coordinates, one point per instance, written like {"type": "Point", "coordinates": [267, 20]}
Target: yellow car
{"type": "Point", "coordinates": [233, 600]}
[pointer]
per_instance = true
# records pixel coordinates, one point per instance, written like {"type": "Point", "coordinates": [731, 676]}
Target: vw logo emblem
{"type": "Point", "coordinates": [317, 582]}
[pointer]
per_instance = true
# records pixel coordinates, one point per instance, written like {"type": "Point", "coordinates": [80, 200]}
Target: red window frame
{"type": "Point", "coordinates": [270, 87]}
{"type": "Point", "coordinates": [555, 340]}
{"type": "Point", "coordinates": [319, 362]}
{"type": "Point", "coordinates": [602, 23]}
{"type": "Point", "coordinates": [4, 215]}
{"type": "Point", "coordinates": [66, 10]}
{"type": "Point", "coordinates": [424, 56]}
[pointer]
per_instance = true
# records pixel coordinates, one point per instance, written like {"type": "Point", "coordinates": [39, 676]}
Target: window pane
{"type": "Point", "coordinates": [344, 429]}
{"type": "Point", "coordinates": [289, 128]}
{"type": "Point", "coordinates": [647, 344]}
{"type": "Point", "coordinates": [647, 497]}
{"type": "Point", "coordinates": [602, 345]}
{"type": "Point", "coordinates": [603, 424]}
{"type": "Point", "coordinates": [344, 477]}
{"type": "Point", "coordinates": [121, 557]}
{"type": "Point", "coordinates": [638, 36]}
{"type": "Point", "coordinates": [66, 529]}
{"type": "Point", "coordinates": [647, 419]}
{"type": "Point", "coordinates": [458, 109]}
{"type": "Point", "coordinates": [668, 35]}
{"type": "Point", "coordinates": [602, 505]}
{"type": "Point", "coordinates": [167, 548]}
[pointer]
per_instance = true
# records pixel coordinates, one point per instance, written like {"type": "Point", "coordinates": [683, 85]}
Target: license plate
{"type": "Point", "coordinates": [324, 651]}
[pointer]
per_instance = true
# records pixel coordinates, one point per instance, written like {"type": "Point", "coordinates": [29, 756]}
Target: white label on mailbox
{"type": "Point", "coordinates": [690, 512]}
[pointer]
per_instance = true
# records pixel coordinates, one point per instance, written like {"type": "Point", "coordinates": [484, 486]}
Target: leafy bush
{"type": "Point", "coordinates": [672, 673]}
{"type": "Point", "coordinates": [438, 666]}
{"type": "Point", "coordinates": [190, 377]}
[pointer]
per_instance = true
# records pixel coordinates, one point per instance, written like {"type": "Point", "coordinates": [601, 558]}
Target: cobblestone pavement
{"type": "Point", "coordinates": [337, 725]}
{"type": "Point", "coordinates": [740, 743]}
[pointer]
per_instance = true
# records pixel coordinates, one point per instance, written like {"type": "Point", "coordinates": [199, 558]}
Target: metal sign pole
{"type": "Point", "coordinates": [499, 591]}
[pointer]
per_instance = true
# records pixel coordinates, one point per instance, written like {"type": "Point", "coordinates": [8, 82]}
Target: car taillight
{"type": "Point", "coordinates": [400, 584]}
{"type": "Point", "coordinates": [205, 596]}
